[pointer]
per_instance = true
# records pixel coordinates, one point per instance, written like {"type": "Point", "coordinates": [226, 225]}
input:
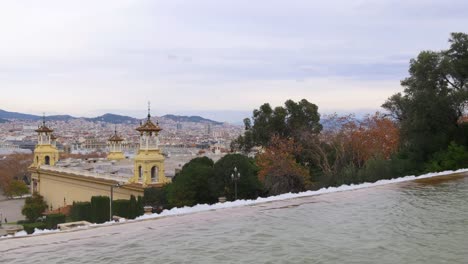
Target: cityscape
{"type": "Point", "coordinates": [180, 140]}
{"type": "Point", "coordinates": [234, 131]}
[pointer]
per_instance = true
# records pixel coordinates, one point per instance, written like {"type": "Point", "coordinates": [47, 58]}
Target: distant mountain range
{"type": "Point", "coordinates": [108, 118]}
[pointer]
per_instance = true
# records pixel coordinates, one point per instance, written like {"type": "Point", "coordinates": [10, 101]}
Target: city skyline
{"type": "Point", "coordinates": [216, 59]}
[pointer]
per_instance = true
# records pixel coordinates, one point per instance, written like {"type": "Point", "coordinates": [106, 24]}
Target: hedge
{"type": "Point", "coordinates": [29, 228]}
{"type": "Point", "coordinates": [140, 206]}
{"type": "Point", "coordinates": [53, 220]}
{"type": "Point", "coordinates": [100, 209]}
{"type": "Point", "coordinates": [121, 208]}
{"type": "Point", "coordinates": [81, 211]}
{"type": "Point", "coordinates": [129, 209]}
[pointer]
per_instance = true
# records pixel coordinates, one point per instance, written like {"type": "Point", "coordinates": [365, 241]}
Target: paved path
{"type": "Point", "coordinates": [11, 209]}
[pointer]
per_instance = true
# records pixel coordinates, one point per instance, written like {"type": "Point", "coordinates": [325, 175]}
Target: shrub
{"type": "Point", "coordinates": [33, 207]}
{"type": "Point", "coordinates": [29, 228]}
{"type": "Point", "coordinates": [452, 158]}
{"type": "Point", "coordinates": [81, 211]}
{"type": "Point", "coordinates": [53, 220]}
{"type": "Point", "coordinates": [21, 222]}
{"type": "Point", "coordinates": [133, 207]}
{"type": "Point", "coordinates": [140, 205]}
{"type": "Point", "coordinates": [100, 209]}
{"type": "Point", "coordinates": [121, 208]}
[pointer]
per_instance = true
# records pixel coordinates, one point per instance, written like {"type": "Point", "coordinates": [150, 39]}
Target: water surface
{"type": "Point", "coordinates": [424, 221]}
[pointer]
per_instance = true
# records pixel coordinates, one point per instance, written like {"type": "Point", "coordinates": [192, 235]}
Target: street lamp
{"type": "Point", "coordinates": [112, 197]}
{"type": "Point", "coordinates": [235, 177]}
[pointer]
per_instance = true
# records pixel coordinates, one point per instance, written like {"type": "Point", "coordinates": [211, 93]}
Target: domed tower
{"type": "Point", "coordinates": [45, 153]}
{"type": "Point", "coordinates": [115, 147]}
{"type": "Point", "coordinates": [149, 162]}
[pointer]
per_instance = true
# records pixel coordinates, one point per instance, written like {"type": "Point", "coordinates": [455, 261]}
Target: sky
{"type": "Point", "coordinates": [216, 58]}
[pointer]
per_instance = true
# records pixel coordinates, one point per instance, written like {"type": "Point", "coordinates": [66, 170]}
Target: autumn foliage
{"type": "Point", "coordinates": [279, 171]}
{"type": "Point", "coordinates": [12, 170]}
{"type": "Point", "coordinates": [374, 137]}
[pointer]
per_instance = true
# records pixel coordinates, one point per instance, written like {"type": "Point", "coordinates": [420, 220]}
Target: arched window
{"type": "Point", "coordinates": [154, 174]}
{"type": "Point", "coordinates": [140, 173]}
{"type": "Point", "coordinates": [47, 160]}
{"type": "Point", "coordinates": [37, 159]}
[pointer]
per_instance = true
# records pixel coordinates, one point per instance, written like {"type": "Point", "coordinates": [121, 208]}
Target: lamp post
{"type": "Point", "coordinates": [235, 177]}
{"type": "Point", "coordinates": [112, 197]}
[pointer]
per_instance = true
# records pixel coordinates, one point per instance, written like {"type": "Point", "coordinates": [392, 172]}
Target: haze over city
{"type": "Point", "coordinates": [220, 59]}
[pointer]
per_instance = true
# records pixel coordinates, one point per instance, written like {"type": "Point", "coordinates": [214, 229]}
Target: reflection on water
{"type": "Point", "coordinates": [414, 222]}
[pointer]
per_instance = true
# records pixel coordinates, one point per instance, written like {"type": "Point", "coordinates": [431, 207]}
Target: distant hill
{"type": "Point", "coordinates": [59, 117]}
{"type": "Point", "coordinates": [3, 120]}
{"type": "Point", "coordinates": [114, 119]}
{"type": "Point", "coordinates": [14, 115]}
{"type": "Point", "coordinates": [195, 119]}
{"type": "Point", "coordinates": [108, 118]}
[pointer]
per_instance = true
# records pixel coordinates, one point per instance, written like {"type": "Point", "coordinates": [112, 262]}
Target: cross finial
{"type": "Point", "coordinates": [43, 118]}
{"type": "Point", "coordinates": [149, 110]}
{"type": "Point", "coordinates": [115, 129]}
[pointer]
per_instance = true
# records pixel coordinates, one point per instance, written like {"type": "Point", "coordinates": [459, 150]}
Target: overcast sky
{"type": "Point", "coordinates": [220, 58]}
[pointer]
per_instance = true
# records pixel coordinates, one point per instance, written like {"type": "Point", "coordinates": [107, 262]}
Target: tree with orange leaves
{"type": "Point", "coordinates": [12, 170]}
{"type": "Point", "coordinates": [279, 171]}
{"type": "Point", "coordinates": [346, 141]}
{"type": "Point", "coordinates": [374, 137]}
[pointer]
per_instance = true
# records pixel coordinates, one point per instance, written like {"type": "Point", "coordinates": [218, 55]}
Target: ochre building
{"type": "Point", "coordinates": [63, 182]}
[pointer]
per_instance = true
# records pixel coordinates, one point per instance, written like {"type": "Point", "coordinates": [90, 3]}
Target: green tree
{"type": "Point", "coordinates": [191, 185]}
{"type": "Point", "coordinates": [33, 207]}
{"type": "Point", "coordinates": [287, 121]}
{"type": "Point", "coordinates": [248, 185]}
{"type": "Point", "coordinates": [16, 188]}
{"type": "Point", "coordinates": [157, 197]}
{"type": "Point", "coordinates": [434, 98]}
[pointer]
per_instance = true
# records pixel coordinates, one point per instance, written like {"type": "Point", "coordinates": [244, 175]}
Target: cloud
{"type": "Point", "coordinates": [213, 55]}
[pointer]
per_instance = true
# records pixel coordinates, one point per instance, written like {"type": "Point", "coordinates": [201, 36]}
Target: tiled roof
{"type": "Point", "coordinates": [44, 129]}
{"type": "Point", "coordinates": [149, 126]}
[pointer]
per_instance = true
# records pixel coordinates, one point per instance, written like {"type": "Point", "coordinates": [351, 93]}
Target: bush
{"type": "Point", "coordinates": [100, 209]}
{"type": "Point", "coordinates": [133, 207]}
{"type": "Point", "coordinates": [81, 211]}
{"type": "Point", "coordinates": [454, 157]}
{"type": "Point", "coordinates": [33, 207]}
{"type": "Point", "coordinates": [29, 228]}
{"type": "Point", "coordinates": [21, 222]}
{"type": "Point", "coordinates": [53, 220]}
{"type": "Point", "coordinates": [140, 210]}
{"type": "Point", "coordinates": [121, 208]}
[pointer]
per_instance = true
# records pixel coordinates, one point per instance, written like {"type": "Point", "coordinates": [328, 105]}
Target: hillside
{"type": "Point", "coordinates": [195, 119]}
{"type": "Point", "coordinates": [114, 119]}
{"type": "Point", "coordinates": [13, 115]}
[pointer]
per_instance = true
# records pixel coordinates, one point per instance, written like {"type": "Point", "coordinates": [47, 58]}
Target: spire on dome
{"type": "Point", "coordinates": [149, 110]}
{"type": "Point", "coordinates": [149, 126]}
{"type": "Point", "coordinates": [43, 128]}
{"type": "Point", "coordinates": [115, 137]}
